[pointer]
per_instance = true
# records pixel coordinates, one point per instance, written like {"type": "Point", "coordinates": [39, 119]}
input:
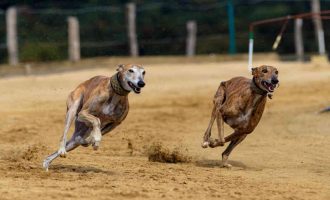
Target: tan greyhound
{"type": "Point", "coordinates": [98, 105]}
{"type": "Point", "coordinates": [240, 103]}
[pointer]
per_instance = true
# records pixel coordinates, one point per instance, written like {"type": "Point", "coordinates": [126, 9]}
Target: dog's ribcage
{"type": "Point", "coordinates": [243, 118]}
{"type": "Point", "coordinates": [113, 110]}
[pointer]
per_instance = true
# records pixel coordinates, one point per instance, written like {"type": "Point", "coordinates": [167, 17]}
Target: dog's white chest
{"type": "Point", "coordinates": [246, 116]}
{"type": "Point", "coordinates": [109, 109]}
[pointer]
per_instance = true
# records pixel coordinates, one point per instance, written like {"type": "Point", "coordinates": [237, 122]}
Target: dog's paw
{"type": "Point", "coordinates": [221, 143]}
{"type": "Point", "coordinates": [62, 152]}
{"type": "Point", "coordinates": [205, 144]}
{"type": "Point", "coordinates": [226, 165]}
{"type": "Point", "coordinates": [96, 143]}
{"type": "Point", "coordinates": [215, 143]}
{"type": "Point", "coordinates": [45, 164]}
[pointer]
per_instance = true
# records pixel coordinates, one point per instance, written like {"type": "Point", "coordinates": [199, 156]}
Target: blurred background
{"type": "Point", "coordinates": [42, 27]}
{"type": "Point", "coordinates": [49, 47]}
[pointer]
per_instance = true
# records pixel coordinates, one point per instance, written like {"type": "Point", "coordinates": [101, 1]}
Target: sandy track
{"type": "Point", "coordinates": [286, 157]}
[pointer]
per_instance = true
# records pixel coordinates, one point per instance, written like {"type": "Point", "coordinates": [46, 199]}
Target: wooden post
{"type": "Point", "coordinates": [12, 46]}
{"type": "Point", "coordinates": [191, 38]}
{"type": "Point", "coordinates": [74, 39]}
{"type": "Point", "coordinates": [315, 4]}
{"type": "Point", "coordinates": [131, 27]}
{"type": "Point", "coordinates": [298, 39]}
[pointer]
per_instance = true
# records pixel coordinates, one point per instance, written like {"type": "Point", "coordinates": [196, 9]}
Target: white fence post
{"type": "Point", "coordinates": [74, 39]}
{"type": "Point", "coordinates": [318, 26]}
{"type": "Point", "coordinates": [298, 39]}
{"type": "Point", "coordinates": [191, 38]}
{"type": "Point", "coordinates": [12, 46]}
{"type": "Point", "coordinates": [131, 28]}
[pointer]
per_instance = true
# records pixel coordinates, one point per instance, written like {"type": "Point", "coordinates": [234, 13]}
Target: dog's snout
{"type": "Point", "coordinates": [274, 81]}
{"type": "Point", "coordinates": [141, 84]}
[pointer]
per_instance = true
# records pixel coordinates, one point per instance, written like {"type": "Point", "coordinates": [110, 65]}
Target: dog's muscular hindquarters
{"type": "Point", "coordinates": [240, 103]}
{"type": "Point", "coordinates": [98, 105]}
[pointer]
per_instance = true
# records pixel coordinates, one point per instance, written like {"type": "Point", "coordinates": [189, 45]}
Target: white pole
{"type": "Point", "coordinates": [315, 4]}
{"type": "Point", "coordinates": [298, 39]}
{"type": "Point", "coordinates": [321, 40]}
{"type": "Point", "coordinates": [191, 38]}
{"type": "Point", "coordinates": [250, 66]}
{"type": "Point", "coordinates": [12, 47]}
{"type": "Point", "coordinates": [74, 39]}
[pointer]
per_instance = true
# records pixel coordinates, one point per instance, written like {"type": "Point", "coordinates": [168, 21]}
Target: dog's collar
{"type": "Point", "coordinates": [257, 89]}
{"type": "Point", "coordinates": [117, 87]}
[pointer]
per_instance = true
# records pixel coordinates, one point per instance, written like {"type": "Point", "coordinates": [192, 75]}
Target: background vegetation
{"type": "Point", "coordinates": [42, 26]}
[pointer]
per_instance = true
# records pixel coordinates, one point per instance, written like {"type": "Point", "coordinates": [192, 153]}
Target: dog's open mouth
{"type": "Point", "coordinates": [269, 86]}
{"type": "Point", "coordinates": [135, 88]}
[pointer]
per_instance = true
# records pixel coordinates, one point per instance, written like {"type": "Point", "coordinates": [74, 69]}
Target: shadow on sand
{"type": "Point", "coordinates": [218, 163]}
{"type": "Point", "coordinates": [79, 169]}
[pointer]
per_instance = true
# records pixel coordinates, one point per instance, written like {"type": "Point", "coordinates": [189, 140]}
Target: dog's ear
{"type": "Point", "coordinates": [254, 71]}
{"type": "Point", "coordinates": [120, 68]}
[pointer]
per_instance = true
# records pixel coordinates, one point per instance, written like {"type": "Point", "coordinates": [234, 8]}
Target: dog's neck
{"type": "Point", "coordinates": [117, 86]}
{"type": "Point", "coordinates": [255, 88]}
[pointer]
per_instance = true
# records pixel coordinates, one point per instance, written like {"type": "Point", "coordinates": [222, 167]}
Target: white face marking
{"type": "Point", "coordinates": [132, 76]}
{"type": "Point", "coordinates": [135, 76]}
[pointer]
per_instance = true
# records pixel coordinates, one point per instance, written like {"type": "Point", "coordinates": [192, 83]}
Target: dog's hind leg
{"type": "Point", "coordinates": [70, 145]}
{"type": "Point", "coordinates": [80, 132]}
{"type": "Point", "coordinates": [220, 129]}
{"type": "Point", "coordinates": [72, 106]}
{"type": "Point", "coordinates": [218, 101]}
{"type": "Point", "coordinates": [230, 148]}
{"type": "Point", "coordinates": [207, 134]}
{"type": "Point", "coordinates": [109, 127]}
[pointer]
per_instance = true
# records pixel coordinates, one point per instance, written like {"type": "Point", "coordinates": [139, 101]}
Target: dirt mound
{"type": "Point", "coordinates": [31, 153]}
{"type": "Point", "coordinates": [158, 153]}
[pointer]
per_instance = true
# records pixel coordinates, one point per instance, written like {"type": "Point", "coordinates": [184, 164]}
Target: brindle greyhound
{"type": "Point", "coordinates": [98, 105]}
{"type": "Point", "coordinates": [240, 103]}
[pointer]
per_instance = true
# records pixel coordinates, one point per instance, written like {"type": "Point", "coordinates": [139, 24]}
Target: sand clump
{"type": "Point", "coordinates": [158, 153]}
{"type": "Point", "coordinates": [30, 153]}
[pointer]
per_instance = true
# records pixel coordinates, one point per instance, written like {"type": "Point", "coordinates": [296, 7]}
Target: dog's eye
{"type": "Point", "coordinates": [276, 72]}
{"type": "Point", "coordinates": [143, 73]}
{"type": "Point", "coordinates": [264, 71]}
{"type": "Point", "coordinates": [131, 71]}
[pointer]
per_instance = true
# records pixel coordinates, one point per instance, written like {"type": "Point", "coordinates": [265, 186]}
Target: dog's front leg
{"type": "Point", "coordinates": [70, 115]}
{"type": "Point", "coordinates": [231, 137]}
{"type": "Point", "coordinates": [230, 148]}
{"type": "Point", "coordinates": [95, 136]}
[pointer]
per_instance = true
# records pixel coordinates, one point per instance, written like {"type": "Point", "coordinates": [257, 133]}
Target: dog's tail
{"type": "Point", "coordinates": [325, 110]}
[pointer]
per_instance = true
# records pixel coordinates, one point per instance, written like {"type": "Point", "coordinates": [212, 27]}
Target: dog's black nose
{"type": "Point", "coordinates": [141, 84]}
{"type": "Point", "coordinates": [274, 81]}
